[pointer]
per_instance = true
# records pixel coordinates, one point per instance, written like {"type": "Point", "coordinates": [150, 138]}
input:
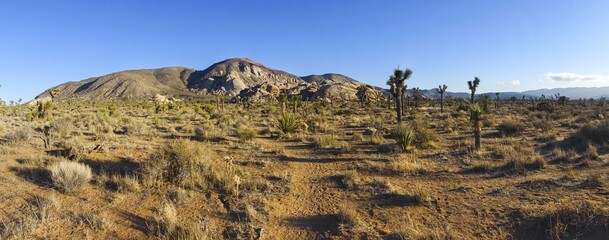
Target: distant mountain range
{"type": "Point", "coordinates": [244, 78]}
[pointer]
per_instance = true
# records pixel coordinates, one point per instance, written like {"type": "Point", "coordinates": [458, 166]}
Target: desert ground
{"type": "Point", "coordinates": [205, 169]}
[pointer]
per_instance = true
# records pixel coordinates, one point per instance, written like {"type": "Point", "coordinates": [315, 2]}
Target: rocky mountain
{"type": "Point", "coordinates": [128, 84]}
{"type": "Point", "coordinates": [236, 77]}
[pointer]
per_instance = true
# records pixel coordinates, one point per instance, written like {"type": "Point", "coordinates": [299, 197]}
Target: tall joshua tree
{"type": "Point", "coordinates": [441, 90]}
{"type": "Point", "coordinates": [397, 87]}
{"type": "Point", "coordinates": [497, 102]}
{"type": "Point", "coordinates": [472, 87]}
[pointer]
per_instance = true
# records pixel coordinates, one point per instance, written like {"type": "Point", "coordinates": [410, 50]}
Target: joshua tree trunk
{"type": "Point", "coordinates": [471, 101]}
{"type": "Point", "coordinates": [398, 105]}
{"type": "Point", "coordinates": [477, 130]}
{"type": "Point", "coordinates": [442, 103]}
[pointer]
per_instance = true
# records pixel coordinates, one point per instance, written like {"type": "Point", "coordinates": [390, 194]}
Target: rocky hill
{"type": "Point", "coordinates": [237, 77]}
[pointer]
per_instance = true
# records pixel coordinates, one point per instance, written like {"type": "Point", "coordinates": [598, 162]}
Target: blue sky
{"type": "Point", "coordinates": [510, 45]}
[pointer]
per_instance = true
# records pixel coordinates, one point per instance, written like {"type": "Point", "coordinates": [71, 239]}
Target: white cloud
{"type": "Point", "coordinates": [515, 82]}
{"type": "Point", "coordinates": [501, 83]}
{"type": "Point", "coordinates": [574, 77]}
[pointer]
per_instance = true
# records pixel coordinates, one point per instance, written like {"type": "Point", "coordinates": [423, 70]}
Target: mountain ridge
{"type": "Point", "coordinates": [245, 78]}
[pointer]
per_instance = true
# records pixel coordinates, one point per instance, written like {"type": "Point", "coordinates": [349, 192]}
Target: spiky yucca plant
{"type": "Point", "coordinates": [404, 136]}
{"type": "Point", "coordinates": [288, 123]}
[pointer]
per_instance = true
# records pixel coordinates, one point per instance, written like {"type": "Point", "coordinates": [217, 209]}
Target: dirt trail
{"type": "Point", "coordinates": [308, 210]}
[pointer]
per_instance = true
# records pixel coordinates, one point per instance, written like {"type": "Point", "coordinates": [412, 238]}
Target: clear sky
{"type": "Point", "coordinates": [510, 44]}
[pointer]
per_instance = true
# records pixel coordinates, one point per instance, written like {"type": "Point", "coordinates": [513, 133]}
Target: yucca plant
{"type": "Point", "coordinates": [404, 136]}
{"type": "Point", "coordinates": [288, 123]}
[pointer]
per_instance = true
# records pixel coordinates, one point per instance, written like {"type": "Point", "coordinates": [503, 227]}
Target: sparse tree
{"type": "Point", "coordinates": [361, 94]}
{"type": "Point", "coordinates": [397, 87]}
{"type": "Point", "coordinates": [441, 90]}
{"type": "Point", "coordinates": [497, 102]}
{"type": "Point", "coordinates": [473, 85]}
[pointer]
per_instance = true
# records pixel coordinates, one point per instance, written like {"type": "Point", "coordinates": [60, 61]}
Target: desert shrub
{"type": "Point", "coordinates": [542, 124]}
{"type": "Point", "coordinates": [94, 220]}
{"type": "Point", "coordinates": [61, 128]}
{"type": "Point", "coordinates": [209, 133]}
{"type": "Point", "coordinates": [260, 185]}
{"type": "Point", "coordinates": [408, 165]}
{"type": "Point", "coordinates": [182, 163]}
{"type": "Point", "coordinates": [166, 221]}
{"type": "Point", "coordinates": [166, 225]}
{"type": "Point", "coordinates": [24, 223]}
{"type": "Point", "coordinates": [72, 149]}
{"type": "Point", "coordinates": [579, 220]}
{"type": "Point", "coordinates": [136, 129]}
{"type": "Point", "coordinates": [351, 180]}
{"type": "Point", "coordinates": [424, 137]}
{"type": "Point", "coordinates": [70, 176]}
{"type": "Point", "coordinates": [591, 152]}
{"type": "Point", "coordinates": [404, 136]}
{"type": "Point", "coordinates": [288, 123]}
{"type": "Point", "coordinates": [348, 216]}
{"type": "Point", "coordinates": [224, 176]}
{"type": "Point", "coordinates": [521, 166]}
{"type": "Point", "coordinates": [125, 183]}
{"type": "Point", "coordinates": [598, 134]}
{"type": "Point", "coordinates": [318, 123]}
{"type": "Point", "coordinates": [325, 141]}
{"type": "Point", "coordinates": [209, 108]}
{"type": "Point", "coordinates": [510, 128]}
{"type": "Point", "coordinates": [246, 134]}
{"type": "Point", "coordinates": [450, 125]}
{"type": "Point", "coordinates": [20, 134]}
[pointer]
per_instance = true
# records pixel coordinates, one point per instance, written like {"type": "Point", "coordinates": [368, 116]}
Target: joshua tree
{"type": "Point", "coordinates": [472, 87]}
{"type": "Point", "coordinates": [562, 100]}
{"type": "Point", "coordinates": [45, 108]}
{"type": "Point", "coordinates": [397, 87]}
{"type": "Point", "coordinates": [476, 113]}
{"type": "Point", "coordinates": [441, 90]}
{"type": "Point", "coordinates": [362, 90]}
{"type": "Point", "coordinates": [497, 102]}
{"type": "Point", "coordinates": [416, 93]}
{"type": "Point", "coordinates": [283, 99]}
